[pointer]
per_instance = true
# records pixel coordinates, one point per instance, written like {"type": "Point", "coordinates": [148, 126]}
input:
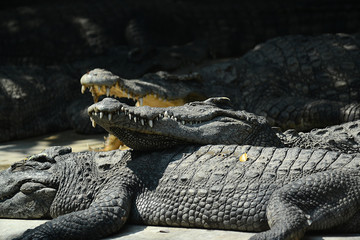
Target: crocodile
{"type": "Point", "coordinates": [212, 121]}
{"type": "Point", "coordinates": [296, 82]}
{"type": "Point", "coordinates": [36, 100]}
{"type": "Point", "coordinates": [38, 36]}
{"type": "Point", "coordinates": [282, 193]}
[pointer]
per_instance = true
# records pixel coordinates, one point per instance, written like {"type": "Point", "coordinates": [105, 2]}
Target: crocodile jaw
{"type": "Point", "coordinates": [25, 194]}
{"type": "Point", "coordinates": [103, 83]}
{"type": "Point", "coordinates": [140, 127]}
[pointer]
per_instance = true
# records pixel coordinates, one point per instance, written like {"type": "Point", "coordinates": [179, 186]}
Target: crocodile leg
{"type": "Point", "coordinates": [315, 202]}
{"type": "Point", "coordinates": [109, 207]}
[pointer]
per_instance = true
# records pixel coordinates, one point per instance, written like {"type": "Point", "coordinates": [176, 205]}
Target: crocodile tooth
{"type": "Point", "coordinates": [128, 95]}
{"type": "Point", "coordinates": [134, 119]}
{"type": "Point", "coordinates": [83, 88]}
{"type": "Point", "coordinates": [175, 118]}
{"type": "Point", "coordinates": [157, 118]}
{"type": "Point", "coordinates": [150, 122]}
{"type": "Point", "coordinates": [92, 91]}
{"type": "Point", "coordinates": [142, 121]}
{"type": "Point", "coordinates": [141, 101]}
{"type": "Point", "coordinates": [110, 116]}
{"type": "Point", "coordinates": [101, 114]}
{"type": "Point", "coordinates": [107, 91]}
{"type": "Point", "coordinates": [130, 116]}
{"type": "Point", "coordinates": [191, 122]}
{"type": "Point", "coordinates": [93, 123]}
{"type": "Point", "coordinates": [99, 88]}
{"type": "Point", "coordinates": [183, 122]}
{"type": "Point", "coordinates": [122, 109]}
{"type": "Point", "coordinates": [166, 114]}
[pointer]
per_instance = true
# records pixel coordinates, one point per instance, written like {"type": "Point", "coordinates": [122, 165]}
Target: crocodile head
{"type": "Point", "coordinates": [202, 122]}
{"type": "Point", "coordinates": [27, 188]}
{"type": "Point", "coordinates": [153, 89]}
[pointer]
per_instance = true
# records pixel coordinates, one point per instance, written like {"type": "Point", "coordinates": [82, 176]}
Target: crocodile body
{"type": "Point", "coordinates": [211, 122]}
{"type": "Point", "coordinates": [298, 82]}
{"type": "Point", "coordinates": [344, 137]}
{"type": "Point", "coordinates": [58, 35]}
{"type": "Point", "coordinates": [288, 190]}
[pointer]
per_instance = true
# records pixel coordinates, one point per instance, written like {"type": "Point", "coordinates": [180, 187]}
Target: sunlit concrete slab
{"type": "Point", "coordinates": [11, 228]}
{"type": "Point", "coordinates": [14, 151]}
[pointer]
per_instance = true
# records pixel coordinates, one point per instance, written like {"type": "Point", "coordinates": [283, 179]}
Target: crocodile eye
{"type": "Point", "coordinates": [193, 104]}
{"type": "Point", "coordinates": [41, 158]}
{"type": "Point", "coordinates": [18, 166]}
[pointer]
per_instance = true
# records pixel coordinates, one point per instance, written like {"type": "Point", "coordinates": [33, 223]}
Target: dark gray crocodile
{"type": "Point", "coordinates": [91, 195]}
{"type": "Point", "coordinates": [38, 36]}
{"type": "Point", "coordinates": [211, 122]}
{"type": "Point", "coordinates": [298, 82]}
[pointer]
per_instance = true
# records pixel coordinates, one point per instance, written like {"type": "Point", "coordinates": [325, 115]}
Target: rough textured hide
{"type": "Point", "coordinates": [211, 122]}
{"type": "Point", "coordinates": [288, 190]}
{"type": "Point", "coordinates": [132, 38]}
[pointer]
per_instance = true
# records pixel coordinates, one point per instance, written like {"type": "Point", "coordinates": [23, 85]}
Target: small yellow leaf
{"type": "Point", "coordinates": [243, 158]}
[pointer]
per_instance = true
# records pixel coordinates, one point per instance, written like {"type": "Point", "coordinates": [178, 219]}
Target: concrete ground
{"type": "Point", "coordinates": [11, 152]}
{"type": "Point", "coordinates": [12, 228]}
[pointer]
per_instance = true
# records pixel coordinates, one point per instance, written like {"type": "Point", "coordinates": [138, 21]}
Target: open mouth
{"type": "Point", "coordinates": [103, 83]}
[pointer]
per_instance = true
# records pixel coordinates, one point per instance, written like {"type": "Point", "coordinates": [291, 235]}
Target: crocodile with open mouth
{"type": "Point", "coordinates": [298, 82]}
{"type": "Point", "coordinates": [42, 40]}
{"type": "Point", "coordinates": [211, 122]}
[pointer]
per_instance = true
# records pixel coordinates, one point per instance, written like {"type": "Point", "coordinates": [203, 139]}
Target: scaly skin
{"type": "Point", "coordinates": [211, 122]}
{"type": "Point", "coordinates": [294, 81]}
{"type": "Point", "coordinates": [37, 100]}
{"type": "Point", "coordinates": [287, 190]}
{"type": "Point", "coordinates": [161, 35]}
{"type": "Point", "coordinates": [344, 137]}
{"type": "Point", "coordinates": [208, 122]}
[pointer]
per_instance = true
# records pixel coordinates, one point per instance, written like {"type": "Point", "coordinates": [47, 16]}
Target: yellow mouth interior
{"type": "Point", "coordinates": [152, 100]}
